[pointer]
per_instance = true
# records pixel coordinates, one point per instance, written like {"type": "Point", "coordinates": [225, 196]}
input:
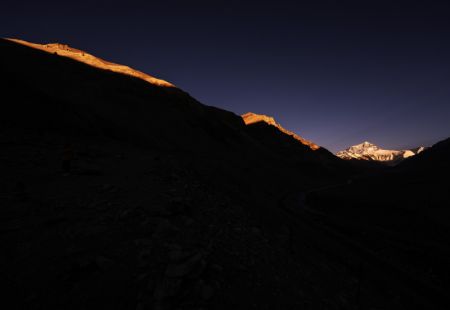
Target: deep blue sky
{"type": "Point", "coordinates": [336, 72]}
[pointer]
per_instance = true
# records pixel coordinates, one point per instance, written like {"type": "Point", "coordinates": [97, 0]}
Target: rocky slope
{"type": "Point", "coordinates": [434, 159]}
{"type": "Point", "coordinates": [75, 94]}
{"type": "Point", "coordinates": [84, 57]}
{"type": "Point", "coordinates": [408, 203]}
{"type": "Point", "coordinates": [169, 204]}
{"type": "Point", "coordinates": [252, 118]}
{"type": "Point", "coordinates": [369, 151]}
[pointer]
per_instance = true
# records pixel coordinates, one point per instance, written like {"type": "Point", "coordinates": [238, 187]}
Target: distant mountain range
{"type": "Point", "coordinates": [371, 152]}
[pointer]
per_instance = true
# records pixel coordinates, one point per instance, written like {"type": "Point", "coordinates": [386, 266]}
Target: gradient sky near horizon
{"type": "Point", "coordinates": [336, 72]}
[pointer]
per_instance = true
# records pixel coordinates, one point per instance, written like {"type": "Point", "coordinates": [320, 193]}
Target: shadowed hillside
{"type": "Point", "coordinates": [435, 160]}
{"type": "Point", "coordinates": [168, 203]}
{"type": "Point", "coordinates": [252, 118]}
{"type": "Point", "coordinates": [57, 92]}
{"type": "Point", "coordinates": [402, 215]}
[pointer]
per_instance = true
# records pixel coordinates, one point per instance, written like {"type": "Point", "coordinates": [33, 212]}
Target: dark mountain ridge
{"type": "Point", "coordinates": [172, 204]}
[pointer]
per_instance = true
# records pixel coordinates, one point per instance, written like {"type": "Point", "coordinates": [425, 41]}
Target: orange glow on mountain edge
{"type": "Point", "coordinates": [81, 56]}
{"type": "Point", "coordinates": [251, 118]}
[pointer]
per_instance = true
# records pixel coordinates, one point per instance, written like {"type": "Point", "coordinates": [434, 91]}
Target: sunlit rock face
{"type": "Point", "coordinates": [369, 151]}
{"type": "Point", "coordinates": [81, 56]}
{"type": "Point", "coordinates": [251, 118]}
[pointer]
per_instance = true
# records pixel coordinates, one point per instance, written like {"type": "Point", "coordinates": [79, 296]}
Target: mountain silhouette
{"type": "Point", "coordinates": [64, 93]}
{"type": "Point", "coordinates": [101, 166]}
{"type": "Point", "coordinates": [119, 190]}
{"type": "Point", "coordinates": [252, 118]}
{"type": "Point", "coordinates": [435, 159]}
{"type": "Point", "coordinates": [84, 57]}
{"type": "Point", "coordinates": [61, 93]}
{"type": "Point", "coordinates": [407, 203]}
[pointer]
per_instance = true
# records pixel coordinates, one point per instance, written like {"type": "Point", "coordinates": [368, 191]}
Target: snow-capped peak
{"type": "Point", "coordinates": [363, 148]}
{"type": "Point", "coordinates": [370, 151]}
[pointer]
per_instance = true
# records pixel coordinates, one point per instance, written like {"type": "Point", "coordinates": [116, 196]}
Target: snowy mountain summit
{"type": "Point", "coordinates": [369, 151]}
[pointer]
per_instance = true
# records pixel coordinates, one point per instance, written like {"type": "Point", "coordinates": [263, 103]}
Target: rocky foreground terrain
{"type": "Point", "coordinates": [171, 204]}
{"type": "Point", "coordinates": [134, 229]}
